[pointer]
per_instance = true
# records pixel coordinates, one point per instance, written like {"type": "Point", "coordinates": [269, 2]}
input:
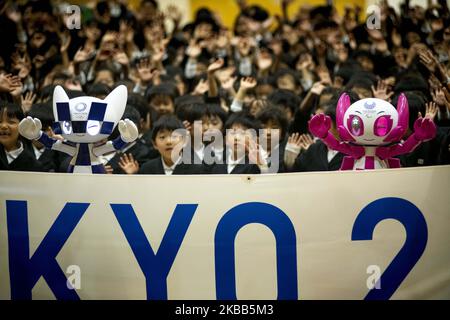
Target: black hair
{"type": "Point", "coordinates": [12, 110]}
{"type": "Point", "coordinates": [44, 112]}
{"type": "Point", "coordinates": [132, 114]}
{"type": "Point", "coordinates": [215, 110]}
{"type": "Point", "coordinates": [285, 98]}
{"type": "Point", "coordinates": [187, 99]}
{"type": "Point", "coordinates": [166, 122]}
{"type": "Point", "coordinates": [416, 104]}
{"type": "Point", "coordinates": [98, 89]}
{"type": "Point", "coordinates": [276, 115]}
{"type": "Point", "coordinates": [164, 89]}
{"type": "Point", "coordinates": [191, 112]}
{"type": "Point", "coordinates": [243, 119]}
{"type": "Point", "coordinates": [285, 71]}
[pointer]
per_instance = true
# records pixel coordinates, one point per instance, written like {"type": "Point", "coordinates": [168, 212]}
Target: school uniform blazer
{"type": "Point", "coordinates": [141, 153]}
{"type": "Point", "coordinates": [155, 166]}
{"type": "Point", "coordinates": [26, 161]}
{"type": "Point", "coordinates": [242, 168]}
{"type": "Point", "coordinates": [316, 159]}
{"type": "Point", "coordinates": [427, 153]}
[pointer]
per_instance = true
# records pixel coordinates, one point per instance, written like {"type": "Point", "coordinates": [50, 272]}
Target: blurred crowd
{"type": "Point", "coordinates": [268, 72]}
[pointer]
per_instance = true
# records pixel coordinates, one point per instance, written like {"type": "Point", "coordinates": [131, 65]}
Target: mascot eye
{"type": "Point", "coordinates": [93, 127]}
{"type": "Point", "coordinates": [67, 127]}
{"type": "Point", "coordinates": [356, 125]}
{"type": "Point", "coordinates": [382, 126]}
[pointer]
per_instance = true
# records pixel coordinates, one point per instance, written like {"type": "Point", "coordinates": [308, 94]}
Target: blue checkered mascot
{"type": "Point", "coordinates": [84, 122]}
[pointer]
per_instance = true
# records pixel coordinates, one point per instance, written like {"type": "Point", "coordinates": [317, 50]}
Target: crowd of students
{"type": "Point", "coordinates": [256, 85]}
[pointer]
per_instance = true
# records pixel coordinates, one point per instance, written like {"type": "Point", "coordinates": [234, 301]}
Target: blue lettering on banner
{"type": "Point", "coordinates": [416, 240]}
{"type": "Point", "coordinates": [155, 267]}
{"type": "Point", "coordinates": [25, 271]}
{"type": "Point", "coordinates": [281, 226]}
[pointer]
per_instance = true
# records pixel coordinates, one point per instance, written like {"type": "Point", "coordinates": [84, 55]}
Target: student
{"type": "Point", "coordinates": [15, 153]}
{"type": "Point", "coordinates": [240, 143]}
{"type": "Point", "coordinates": [318, 157]}
{"type": "Point", "coordinates": [162, 98]}
{"type": "Point", "coordinates": [139, 150]}
{"type": "Point", "coordinates": [273, 139]}
{"type": "Point", "coordinates": [49, 159]}
{"type": "Point", "coordinates": [168, 137]}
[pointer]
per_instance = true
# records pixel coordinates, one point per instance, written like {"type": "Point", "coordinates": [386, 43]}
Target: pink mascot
{"type": "Point", "coordinates": [371, 130]}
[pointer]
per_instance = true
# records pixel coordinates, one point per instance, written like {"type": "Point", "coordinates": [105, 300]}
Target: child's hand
{"type": "Point", "coordinates": [294, 144]}
{"type": "Point", "coordinates": [128, 164]}
{"type": "Point", "coordinates": [431, 110]}
{"type": "Point", "coordinates": [30, 128]}
{"type": "Point", "coordinates": [27, 101]}
{"type": "Point", "coordinates": [216, 65]}
{"type": "Point", "coordinates": [306, 141]}
{"type": "Point", "coordinates": [109, 169]}
{"type": "Point", "coordinates": [128, 130]}
{"type": "Point", "coordinates": [248, 83]}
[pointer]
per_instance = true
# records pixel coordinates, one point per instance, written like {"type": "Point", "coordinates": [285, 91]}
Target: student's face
{"type": "Point", "coordinates": [163, 105]}
{"type": "Point", "coordinates": [9, 130]}
{"type": "Point", "coordinates": [236, 138]}
{"type": "Point", "coordinates": [168, 142]}
{"type": "Point", "coordinates": [366, 63]}
{"type": "Point", "coordinates": [286, 82]}
{"type": "Point", "coordinates": [37, 40]}
{"type": "Point", "coordinates": [271, 132]}
{"type": "Point", "coordinates": [212, 123]}
{"type": "Point", "coordinates": [105, 77]}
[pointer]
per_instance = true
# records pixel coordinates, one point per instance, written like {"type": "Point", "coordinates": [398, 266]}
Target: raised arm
{"type": "Point", "coordinates": [320, 126]}
{"type": "Point", "coordinates": [30, 128]}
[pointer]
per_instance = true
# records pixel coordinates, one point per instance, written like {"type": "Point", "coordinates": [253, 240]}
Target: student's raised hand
{"type": "Point", "coordinates": [27, 101]}
{"type": "Point", "coordinates": [201, 87]}
{"type": "Point", "coordinates": [253, 150]}
{"type": "Point", "coordinates": [306, 141]}
{"type": "Point", "coordinates": [294, 144]}
{"type": "Point", "coordinates": [128, 164]}
{"type": "Point", "coordinates": [128, 130]}
{"type": "Point", "coordinates": [431, 110]}
{"type": "Point", "coordinates": [216, 65]}
{"type": "Point", "coordinates": [30, 128]}
{"type": "Point", "coordinates": [9, 83]}
{"type": "Point", "coordinates": [382, 91]}
{"type": "Point", "coordinates": [248, 83]}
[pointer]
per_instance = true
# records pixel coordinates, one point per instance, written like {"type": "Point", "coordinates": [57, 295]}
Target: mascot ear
{"type": "Point", "coordinates": [342, 106]}
{"type": "Point", "coordinates": [116, 103]}
{"type": "Point", "coordinates": [59, 95]}
{"type": "Point", "coordinates": [403, 119]}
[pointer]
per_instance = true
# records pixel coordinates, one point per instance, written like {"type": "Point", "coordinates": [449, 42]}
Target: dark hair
{"type": "Point", "coordinates": [276, 115]}
{"type": "Point", "coordinates": [243, 119]}
{"type": "Point", "coordinates": [416, 104]}
{"type": "Point", "coordinates": [166, 122]}
{"type": "Point", "coordinates": [44, 112]}
{"type": "Point", "coordinates": [12, 110]}
{"type": "Point", "coordinates": [191, 112]}
{"type": "Point", "coordinates": [164, 89]}
{"type": "Point", "coordinates": [215, 110]}
{"type": "Point", "coordinates": [98, 89]}
{"type": "Point", "coordinates": [132, 114]}
{"type": "Point", "coordinates": [284, 98]}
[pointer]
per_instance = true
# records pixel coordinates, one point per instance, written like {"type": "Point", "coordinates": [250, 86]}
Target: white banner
{"type": "Point", "coordinates": [380, 234]}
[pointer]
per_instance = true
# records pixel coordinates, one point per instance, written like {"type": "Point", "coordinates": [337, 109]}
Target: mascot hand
{"type": "Point", "coordinates": [319, 125]}
{"type": "Point", "coordinates": [30, 128]}
{"type": "Point", "coordinates": [424, 129]}
{"type": "Point", "coordinates": [128, 130]}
